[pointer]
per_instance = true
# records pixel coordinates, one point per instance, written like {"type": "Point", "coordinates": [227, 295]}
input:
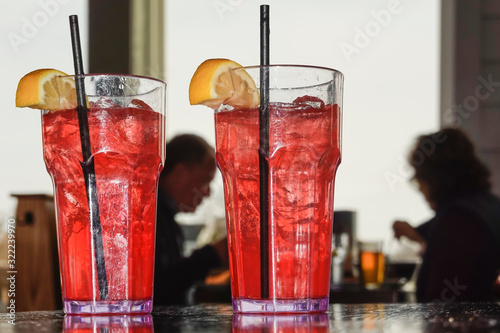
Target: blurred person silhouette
{"type": "Point", "coordinates": [184, 182]}
{"type": "Point", "coordinates": [461, 243]}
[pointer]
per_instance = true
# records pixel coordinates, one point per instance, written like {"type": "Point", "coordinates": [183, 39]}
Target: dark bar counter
{"type": "Point", "coordinates": [373, 317]}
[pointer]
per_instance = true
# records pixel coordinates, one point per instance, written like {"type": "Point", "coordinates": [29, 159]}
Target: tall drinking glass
{"type": "Point", "coordinates": [304, 152]}
{"type": "Point", "coordinates": [126, 117]}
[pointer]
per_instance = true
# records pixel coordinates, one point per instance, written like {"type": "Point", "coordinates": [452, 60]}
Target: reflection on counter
{"type": "Point", "coordinates": [395, 317]}
{"type": "Point", "coordinates": [305, 323]}
{"type": "Point", "coordinates": [110, 324]}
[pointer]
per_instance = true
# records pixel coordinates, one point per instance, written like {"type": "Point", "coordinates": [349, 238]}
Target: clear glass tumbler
{"type": "Point", "coordinates": [126, 125]}
{"type": "Point", "coordinates": [282, 265]}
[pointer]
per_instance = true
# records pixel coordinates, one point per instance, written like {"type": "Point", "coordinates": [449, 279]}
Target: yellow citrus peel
{"type": "Point", "coordinates": [215, 82]}
{"type": "Point", "coordinates": [43, 89]}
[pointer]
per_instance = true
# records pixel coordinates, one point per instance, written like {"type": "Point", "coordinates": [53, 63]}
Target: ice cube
{"type": "Point", "coordinates": [138, 104]}
{"type": "Point", "coordinates": [311, 101]}
{"type": "Point", "coordinates": [104, 103]}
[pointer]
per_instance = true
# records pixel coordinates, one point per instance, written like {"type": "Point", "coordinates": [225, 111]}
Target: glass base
{"type": "Point", "coordinates": [243, 305]}
{"type": "Point", "coordinates": [108, 307]}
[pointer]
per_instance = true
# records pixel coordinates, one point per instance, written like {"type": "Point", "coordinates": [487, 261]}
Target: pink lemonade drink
{"type": "Point", "coordinates": [304, 153]}
{"type": "Point", "coordinates": [127, 144]}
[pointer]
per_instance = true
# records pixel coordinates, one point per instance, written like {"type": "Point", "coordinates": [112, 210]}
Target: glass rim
{"type": "Point", "coordinates": [371, 246]}
{"type": "Point", "coordinates": [289, 66]}
{"type": "Point", "coordinates": [149, 78]}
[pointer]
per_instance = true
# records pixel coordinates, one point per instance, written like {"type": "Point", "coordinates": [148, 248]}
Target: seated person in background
{"type": "Point", "coordinates": [461, 256]}
{"type": "Point", "coordinates": [184, 182]}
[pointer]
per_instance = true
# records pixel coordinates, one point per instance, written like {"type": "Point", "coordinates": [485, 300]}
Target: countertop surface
{"type": "Point", "coordinates": [391, 317]}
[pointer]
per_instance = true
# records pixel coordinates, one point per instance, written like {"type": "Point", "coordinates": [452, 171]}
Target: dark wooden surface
{"type": "Point", "coordinates": [376, 317]}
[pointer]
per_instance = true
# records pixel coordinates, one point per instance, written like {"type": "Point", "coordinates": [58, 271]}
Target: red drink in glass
{"type": "Point", "coordinates": [127, 145]}
{"type": "Point", "coordinates": [304, 153]}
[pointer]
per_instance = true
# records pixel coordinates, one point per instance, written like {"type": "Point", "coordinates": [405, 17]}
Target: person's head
{"type": "Point", "coordinates": [189, 169]}
{"type": "Point", "coordinates": [446, 164]}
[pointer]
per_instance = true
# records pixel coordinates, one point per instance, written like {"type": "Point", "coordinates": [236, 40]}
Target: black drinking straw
{"type": "Point", "coordinates": [264, 151]}
{"type": "Point", "coordinates": [88, 160]}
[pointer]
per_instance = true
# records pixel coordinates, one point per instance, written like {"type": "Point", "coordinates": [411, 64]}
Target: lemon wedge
{"type": "Point", "coordinates": [42, 89]}
{"type": "Point", "coordinates": [214, 83]}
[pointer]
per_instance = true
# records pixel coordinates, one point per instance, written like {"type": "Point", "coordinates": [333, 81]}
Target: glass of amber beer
{"type": "Point", "coordinates": [372, 263]}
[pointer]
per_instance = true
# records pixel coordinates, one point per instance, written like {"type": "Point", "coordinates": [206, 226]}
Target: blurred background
{"type": "Point", "coordinates": [387, 50]}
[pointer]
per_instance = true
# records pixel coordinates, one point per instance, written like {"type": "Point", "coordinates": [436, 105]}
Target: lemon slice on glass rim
{"type": "Point", "coordinates": [42, 89]}
{"type": "Point", "coordinates": [215, 83]}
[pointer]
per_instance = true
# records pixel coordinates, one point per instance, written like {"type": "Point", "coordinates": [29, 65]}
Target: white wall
{"type": "Point", "coordinates": [33, 34]}
{"type": "Point", "coordinates": [388, 52]}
